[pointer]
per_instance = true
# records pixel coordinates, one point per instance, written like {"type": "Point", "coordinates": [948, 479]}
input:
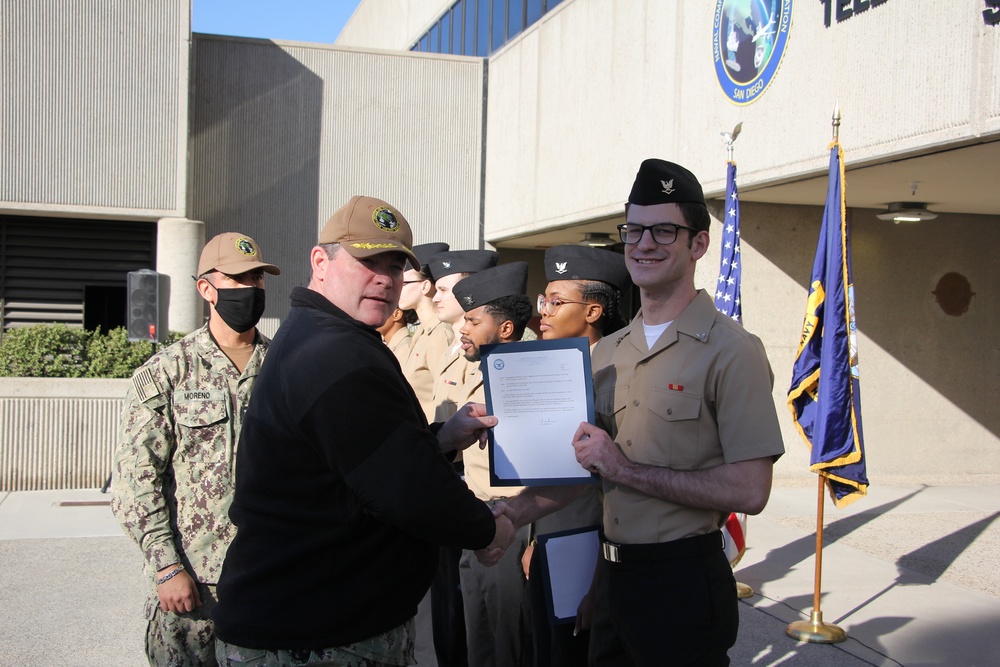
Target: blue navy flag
{"type": "Point", "coordinates": [727, 293]}
{"type": "Point", "coordinates": [825, 396]}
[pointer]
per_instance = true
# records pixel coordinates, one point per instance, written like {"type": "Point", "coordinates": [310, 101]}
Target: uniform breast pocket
{"type": "Point", "coordinates": [608, 406]}
{"type": "Point", "coordinates": [676, 416]}
{"type": "Point", "coordinates": [198, 426]}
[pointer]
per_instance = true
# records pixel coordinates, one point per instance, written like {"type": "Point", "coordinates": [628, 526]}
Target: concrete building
{"type": "Point", "coordinates": [121, 133]}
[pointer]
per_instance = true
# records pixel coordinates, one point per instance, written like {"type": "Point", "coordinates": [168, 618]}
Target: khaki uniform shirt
{"type": "Point", "coordinates": [399, 344]}
{"type": "Point", "coordinates": [699, 398]}
{"type": "Point", "coordinates": [174, 462]}
{"type": "Point", "coordinates": [429, 347]}
{"type": "Point", "coordinates": [450, 391]}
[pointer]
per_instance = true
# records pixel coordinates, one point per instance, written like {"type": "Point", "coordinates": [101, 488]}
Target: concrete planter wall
{"type": "Point", "coordinates": [57, 433]}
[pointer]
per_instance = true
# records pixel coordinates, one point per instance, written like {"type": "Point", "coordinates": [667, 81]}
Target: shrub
{"type": "Point", "coordinates": [56, 350]}
{"type": "Point", "coordinates": [43, 351]}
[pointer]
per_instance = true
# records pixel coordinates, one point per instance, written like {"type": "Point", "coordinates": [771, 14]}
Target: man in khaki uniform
{"type": "Point", "coordinates": [687, 433]}
{"type": "Point", "coordinates": [497, 628]}
{"type": "Point", "coordinates": [432, 338]}
{"type": "Point", "coordinates": [448, 269]}
{"type": "Point", "coordinates": [173, 475]}
{"type": "Point", "coordinates": [448, 371]}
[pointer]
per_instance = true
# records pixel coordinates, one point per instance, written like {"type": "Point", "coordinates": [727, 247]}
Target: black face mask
{"type": "Point", "coordinates": [240, 307]}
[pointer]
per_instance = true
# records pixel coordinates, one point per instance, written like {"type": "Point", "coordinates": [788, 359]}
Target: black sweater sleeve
{"type": "Point", "coordinates": [378, 444]}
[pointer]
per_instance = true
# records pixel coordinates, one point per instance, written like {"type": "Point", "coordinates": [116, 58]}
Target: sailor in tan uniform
{"type": "Point", "coordinates": [496, 310]}
{"type": "Point", "coordinates": [448, 269]}
{"type": "Point", "coordinates": [686, 433]}
{"type": "Point", "coordinates": [582, 299]}
{"type": "Point", "coordinates": [448, 371]}
{"type": "Point", "coordinates": [431, 338]}
{"type": "Point", "coordinates": [396, 333]}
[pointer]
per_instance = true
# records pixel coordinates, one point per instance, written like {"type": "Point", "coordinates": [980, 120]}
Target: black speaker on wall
{"type": "Point", "coordinates": [148, 300]}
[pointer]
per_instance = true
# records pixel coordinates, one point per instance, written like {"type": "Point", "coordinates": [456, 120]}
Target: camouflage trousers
{"type": "Point", "coordinates": [181, 640]}
{"type": "Point", "coordinates": [394, 647]}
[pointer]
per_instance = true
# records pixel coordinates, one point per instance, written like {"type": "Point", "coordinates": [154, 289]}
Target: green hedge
{"type": "Point", "coordinates": [56, 350]}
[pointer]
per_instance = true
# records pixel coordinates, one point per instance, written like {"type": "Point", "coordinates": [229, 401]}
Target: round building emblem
{"type": "Point", "coordinates": [385, 219]}
{"type": "Point", "coordinates": [748, 42]}
{"type": "Point", "coordinates": [246, 247]}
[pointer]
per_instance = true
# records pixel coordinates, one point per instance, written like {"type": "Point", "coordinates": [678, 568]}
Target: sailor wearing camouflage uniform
{"type": "Point", "coordinates": [173, 475]}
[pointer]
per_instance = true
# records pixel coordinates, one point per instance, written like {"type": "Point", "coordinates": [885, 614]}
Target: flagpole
{"type": "Point", "coordinates": [815, 630]}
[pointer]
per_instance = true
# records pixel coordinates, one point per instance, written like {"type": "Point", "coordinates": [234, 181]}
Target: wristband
{"type": "Point", "coordinates": [170, 575]}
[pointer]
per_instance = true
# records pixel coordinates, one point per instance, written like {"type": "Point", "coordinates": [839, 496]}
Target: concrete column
{"type": "Point", "coordinates": [178, 246]}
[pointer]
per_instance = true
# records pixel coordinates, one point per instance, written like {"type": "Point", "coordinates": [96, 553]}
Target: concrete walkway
{"type": "Point", "coordinates": [910, 573]}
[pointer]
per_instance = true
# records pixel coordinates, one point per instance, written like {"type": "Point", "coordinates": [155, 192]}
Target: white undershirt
{"type": "Point", "coordinates": [653, 332]}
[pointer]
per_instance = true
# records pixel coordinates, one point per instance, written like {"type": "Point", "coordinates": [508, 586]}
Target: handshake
{"type": "Point", "coordinates": [507, 526]}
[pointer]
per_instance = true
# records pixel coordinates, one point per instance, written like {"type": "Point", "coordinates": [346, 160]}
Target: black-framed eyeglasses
{"type": "Point", "coordinates": [663, 233]}
{"type": "Point", "coordinates": [410, 282]}
{"type": "Point", "coordinates": [549, 306]}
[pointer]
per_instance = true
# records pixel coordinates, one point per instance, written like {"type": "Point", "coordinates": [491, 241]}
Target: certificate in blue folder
{"type": "Point", "coordinates": [539, 391]}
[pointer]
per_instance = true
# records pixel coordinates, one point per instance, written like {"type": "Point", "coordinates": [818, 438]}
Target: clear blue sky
{"type": "Point", "coordinates": [297, 20]}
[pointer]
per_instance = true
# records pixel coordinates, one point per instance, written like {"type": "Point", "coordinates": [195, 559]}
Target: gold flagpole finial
{"type": "Point", "coordinates": [836, 121]}
{"type": "Point", "coordinates": [730, 137]}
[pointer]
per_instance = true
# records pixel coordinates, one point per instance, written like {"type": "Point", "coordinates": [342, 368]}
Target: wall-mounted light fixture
{"type": "Point", "coordinates": [597, 240]}
{"type": "Point", "coordinates": [909, 211]}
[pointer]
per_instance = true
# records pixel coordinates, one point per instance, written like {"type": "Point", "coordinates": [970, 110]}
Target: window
{"type": "Point", "coordinates": [483, 31]}
{"type": "Point", "coordinates": [515, 18]}
{"type": "Point", "coordinates": [480, 27]}
{"type": "Point", "coordinates": [470, 29]}
{"type": "Point", "coordinates": [445, 33]}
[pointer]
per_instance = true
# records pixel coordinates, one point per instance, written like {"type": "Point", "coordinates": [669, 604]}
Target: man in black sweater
{"type": "Point", "coordinates": [342, 492]}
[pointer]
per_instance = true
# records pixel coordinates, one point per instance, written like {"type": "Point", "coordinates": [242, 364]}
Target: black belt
{"type": "Point", "coordinates": [699, 545]}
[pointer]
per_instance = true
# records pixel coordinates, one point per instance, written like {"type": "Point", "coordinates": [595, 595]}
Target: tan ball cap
{"type": "Point", "coordinates": [366, 226]}
{"type": "Point", "coordinates": [233, 253]}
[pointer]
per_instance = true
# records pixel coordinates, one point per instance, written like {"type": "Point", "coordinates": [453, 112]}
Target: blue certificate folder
{"type": "Point", "coordinates": [539, 391]}
{"type": "Point", "coordinates": [567, 560]}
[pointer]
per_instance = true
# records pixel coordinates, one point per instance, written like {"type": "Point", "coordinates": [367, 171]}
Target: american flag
{"type": "Point", "coordinates": [727, 292]}
{"type": "Point", "coordinates": [727, 301]}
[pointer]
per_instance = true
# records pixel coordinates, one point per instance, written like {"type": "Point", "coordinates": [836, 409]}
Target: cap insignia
{"type": "Point", "coordinates": [245, 247]}
{"type": "Point", "coordinates": [561, 267]}
{"type": "Point", "coordinates": [469, 300]}
{"type": "Point", "coordinates": [385, 219]}
{"type": "Point", "coordinates": [446, 265]}
{"type": "Point", "coordinates": [668, 186]}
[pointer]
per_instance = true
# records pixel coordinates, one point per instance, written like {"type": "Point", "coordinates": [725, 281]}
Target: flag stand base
{"type": "Point", "coordinates": [743, 591]}
{"type": "Point", "coordinates": [815, 631]}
